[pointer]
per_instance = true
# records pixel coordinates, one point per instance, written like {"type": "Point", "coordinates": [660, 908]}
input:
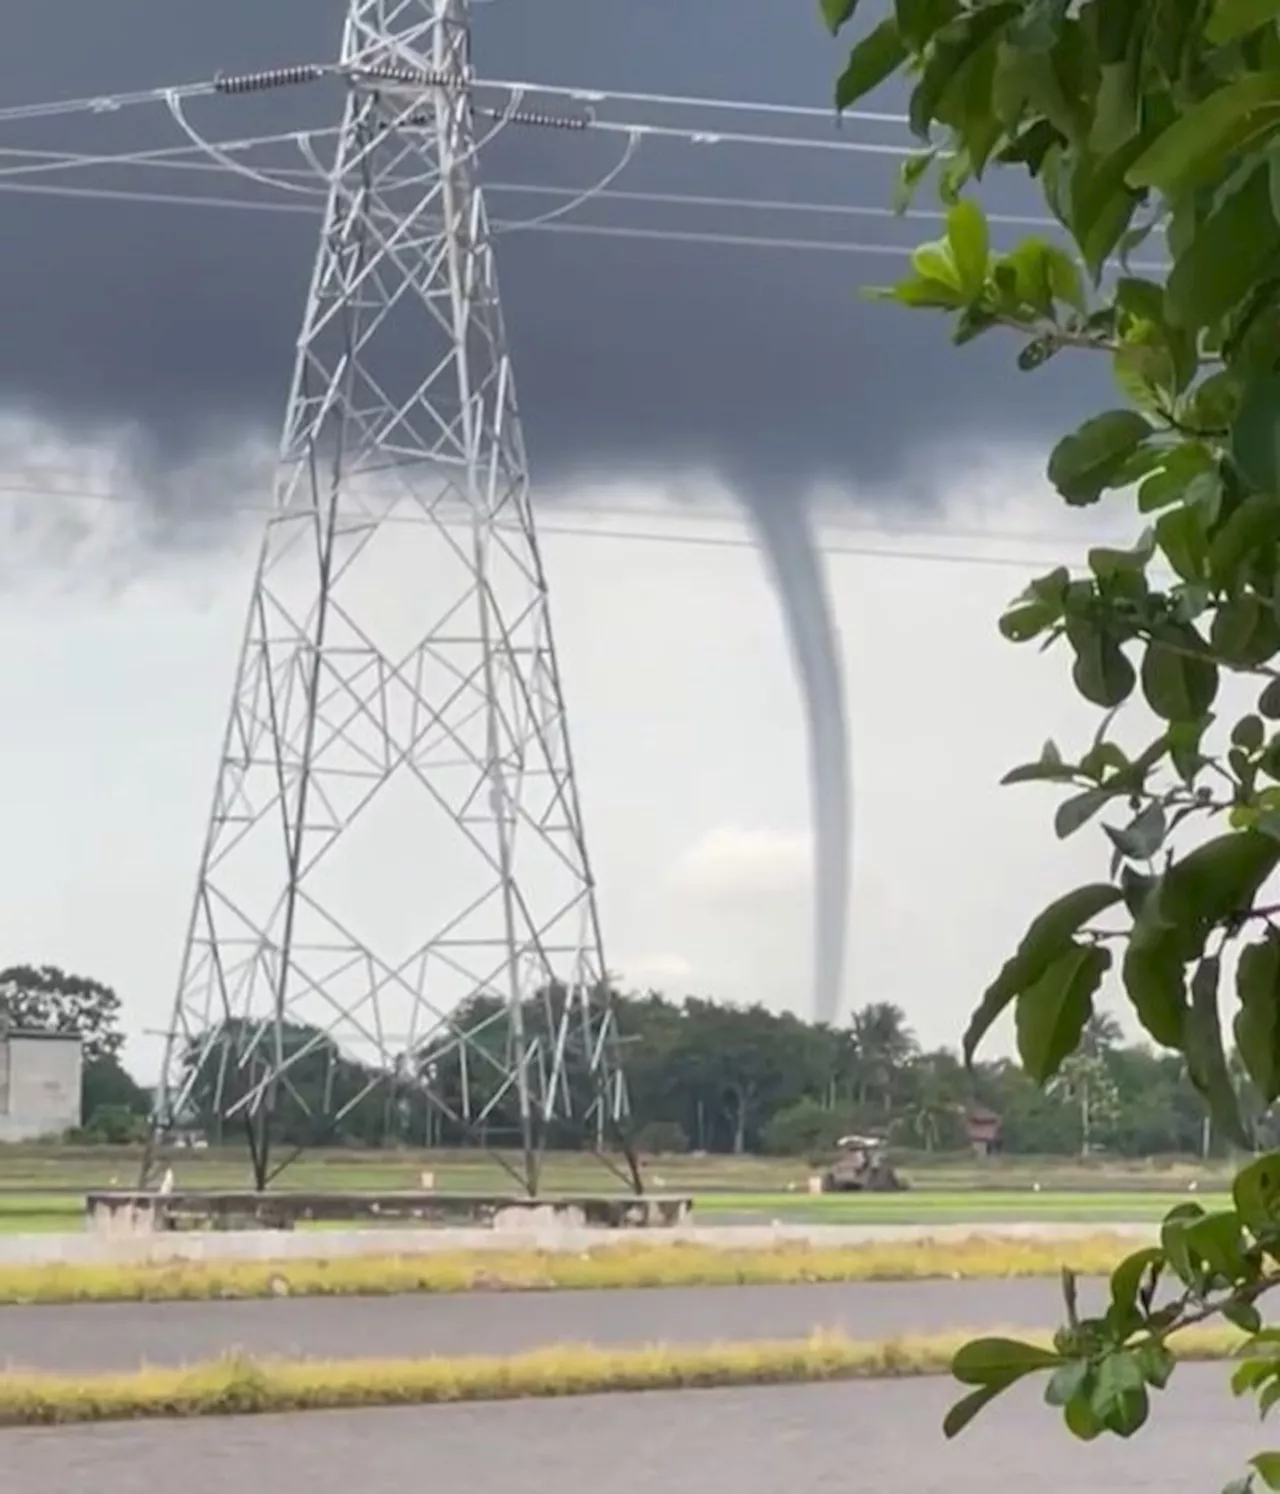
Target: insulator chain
{"type": "Point", "coordinates": [278, 77]}
{"type": "Point", "coordinates": [287, 77]}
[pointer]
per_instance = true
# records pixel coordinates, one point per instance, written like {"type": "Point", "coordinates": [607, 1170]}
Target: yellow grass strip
{"type": "Point", "coordinates": [613, 1266]}
{"type": "Point", "coordinates": [240, 1386]}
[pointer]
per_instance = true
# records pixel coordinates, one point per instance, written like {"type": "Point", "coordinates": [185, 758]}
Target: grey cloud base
{"type": "Point", "coordinates": [630, 353]}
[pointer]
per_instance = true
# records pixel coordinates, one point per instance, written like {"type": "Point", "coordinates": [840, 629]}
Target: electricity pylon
{"type": "Point", "coordinates": [395, 882]}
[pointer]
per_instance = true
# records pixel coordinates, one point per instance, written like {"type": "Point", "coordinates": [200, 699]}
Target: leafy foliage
{"type": "Point", "coordinates": [1157, 123]}
{"type": "Point", "coordinates": [701, 1075]}
{"type": "Point", "coordinates": [723, 1079]}
{"type": "Point", "coordinates": [45, 999]}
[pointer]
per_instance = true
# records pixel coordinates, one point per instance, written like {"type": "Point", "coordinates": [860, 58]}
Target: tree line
{"type": "Point", "coordinates": [720, 1079]}
{"type": "Point", "coordinates": [701, 1076]}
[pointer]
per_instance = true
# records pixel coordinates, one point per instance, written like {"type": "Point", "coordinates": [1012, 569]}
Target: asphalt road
{"type": "Point", "coordinates": [822, 1439]}
{"type": "Point", "coordinates": [118, 1336]}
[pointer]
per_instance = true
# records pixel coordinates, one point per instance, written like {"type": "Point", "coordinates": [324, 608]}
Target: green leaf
{"type": "Point", "coordinates": [1267, 1466]}
{"type": "Point", "coordinates": [1257, 1023]}
{"type": "Point", "coordinates": [1157, 1362]}
{"type": "Point", "coordinates": [920, 292]}
{"type": "Point", "coordinates": [1054, 586]}
{"type": "Point", "coordinates": [1181, 534]}
{"type": "Point", "coordinates": [1083, 463]}
{"type": "Point", "coordinates": [1028, 620]}
{"type": "Point", "coordinates": [1119, 1395]}
{"type": "Point", "coordinates": [1256, 1195]}
{"type": "Point", "coordinates": [1219, 879]}
{"type": "Point", "coordinates": [1051, 1014]}
{"type": "Point", "coordinates": [876, 57]}
{"type": "Point", "coordinates": [1206, 1060]}
{"type": "Point", "coordinates": [970, 245]}
{"type": "Point", "coordinates": [1219, 1241]}
{"type": "Point", "coordinates": [1072, 813]}
{"type": "Point", "coordinates": [1173, 1241]}
{"type": "Point", "coordinates": [1066, 280]}
{"type": "Point", "coordinates": [935, 261]}
{"type": "Point", "coordinates": [1215, 402]}
{"type": "Point", "coordinates": [1066, 1382]}
{"type": "Point", "coordinates": [1269, 701]}
{"type": "Point", "coordinates": [1254, 524]}
{"type": "Point", "coordinates": [1177, 685]}
{"type": "Point", "coordinates": [967, 1407]}
{"type": "Point", "coordinates": [953, 46]}
{"type": "Point", "coordinates": [919, 20]}
{"type": "Point", "coordinates": [1179, 468]}
{"type": "Point", "coordinates": [1128, 1276]}
{"type": "Point", "coordinates": [1117, 115]}
{"type": "Point", "coordinates": [1101, 673]}
{"type": "Point", "coordinates": [1046, 938]}
{"type": "Point", "coordinates": [1243, 1315]}
{"type": "Point", "coordinates": [1117, 21]}
{"type": "Point", "coordinates": [1255, 436]}
{"type": "Point", "coordinates": [912, 172]}
{"type": "Point", "coordinates": [1231, 249]}
{"type": "Point", "coordinates": [999, 1361]}
{"type": "Point", "coordinates": [1192, 148]}
{"type": "Point", "coordinates": [1232, 19]}
{"type": "Point", "coordinates": [1049, 768]}
{"type": "Point", "coordinates": [1100, 206]}
{"type": "Point", "coordinates": [1143, 836]}
{"type": "Point", "coordinates": [1040, 26]}
{"type": "Point", "coordinates": [1081, 1419]}
{"type": "Point", "coordinates": [1032, 285]}
{"type": "Point", "coordinates": [1244, 631]}
{"type": "Point", "coordinates": [1155, 981]}
{"type": "Point", "coordinates": [1251, 1374]}
{"type": "Point", "coordinates": [1144, 372]}
{"type": "Point", "coordinates": [1249, 733]}
{"type": "Point", "coordinates": [1105, 561]}
{"type": "Point", "coordinates": [1185, 738]}
{"type": "Point", "coordinates": [837, 13]}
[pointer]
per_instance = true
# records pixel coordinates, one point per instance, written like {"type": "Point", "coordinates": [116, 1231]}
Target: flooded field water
{"type": "Point", "coordinates": [119, 1336]}
{"type": "Point", "coordinates": [820, 1439]}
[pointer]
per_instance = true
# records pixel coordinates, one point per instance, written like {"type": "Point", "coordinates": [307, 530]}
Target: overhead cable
{"type": "Point", "coordinates": [648, 535]}
{"type": "Point", "coordinates": [107, 103]}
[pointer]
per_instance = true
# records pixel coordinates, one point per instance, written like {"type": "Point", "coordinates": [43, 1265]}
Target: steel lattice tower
{"type": "Point", "coordinates": [395, 867]}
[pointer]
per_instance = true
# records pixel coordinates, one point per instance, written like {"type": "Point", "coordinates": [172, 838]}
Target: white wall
{"type": "Point", "coordinates": [42, 1096]}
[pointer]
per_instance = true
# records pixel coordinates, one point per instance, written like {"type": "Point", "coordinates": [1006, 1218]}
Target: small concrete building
{"type": "Point", "coordinates": [40, 1084]}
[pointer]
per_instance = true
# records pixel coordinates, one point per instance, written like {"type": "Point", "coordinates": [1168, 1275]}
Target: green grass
{"type": "Point", "coordinates": [41, 1189]}
{"type": "Point", "coordinates": [923, 1208]}
{"type": "Point", "coordinates": [23, 1167]}
{"type": "Point", "coordinates": [43, 1213]}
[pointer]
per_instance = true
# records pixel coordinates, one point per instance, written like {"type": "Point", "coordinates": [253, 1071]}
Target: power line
{"type": "Point", "coordinates": [599, 230]}
{"type": "Point", "coordinates": [646, 535]}
{"type": "Point", "coordinates": [699, 102]}
{"type": "Point", "coordinates": [106, 103]}
{"type": "Point", "coordinates": [53, 485]}
{"type": "Point", "coordinates": [170, 159]}
{"type": "Point", "coordinates": [109, 103]}
{"type": "Point", "coordinates": [643, 128]}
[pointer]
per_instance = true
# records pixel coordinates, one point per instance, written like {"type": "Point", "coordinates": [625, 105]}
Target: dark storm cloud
{"type": "Point", "coordinates": [630, 353]}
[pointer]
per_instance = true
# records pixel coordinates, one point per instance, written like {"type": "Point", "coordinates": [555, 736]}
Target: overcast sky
{"type": "Point", "coordinates": [650, 374]}
{"type": "Point", "coordinates": [763, 363]}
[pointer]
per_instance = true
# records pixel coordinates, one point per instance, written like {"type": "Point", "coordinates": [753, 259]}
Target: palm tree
{"type": "Point", "coordinates": [1083, 1080]}
{"type": "Point", "coordinates": [1102, 1033]}
{"type": "Point", "coordinates": [881, 1044]}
